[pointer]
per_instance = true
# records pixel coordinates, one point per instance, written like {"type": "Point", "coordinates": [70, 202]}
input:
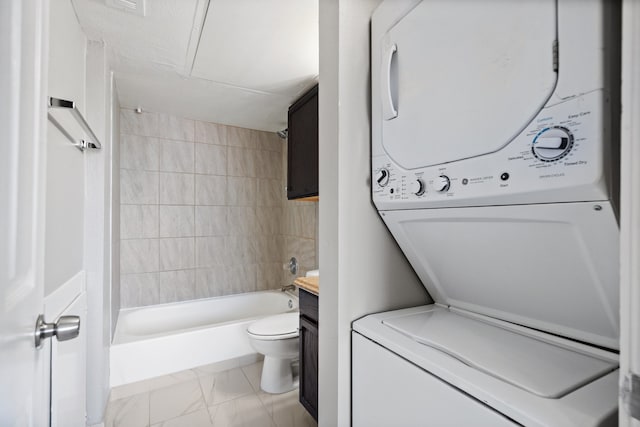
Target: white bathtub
{"type": "Point", "coordinates": [161, 339]}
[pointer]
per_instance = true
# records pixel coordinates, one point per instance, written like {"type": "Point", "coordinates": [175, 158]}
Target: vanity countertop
{"type": "Point", "coordinates": [311, 284]}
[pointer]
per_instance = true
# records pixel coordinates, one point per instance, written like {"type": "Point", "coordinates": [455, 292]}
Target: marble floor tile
{"type": "Point", "coordinates": [175, 400]}
{"type": "Point", "coordinates": [214, 368]}
{"type": "Point", "coordinates": [253, 373]}
{"type": "Point", "coordinates": [170, 379]}
{"type": "Point", "coordinates": [132, 411]}
{"type": "Point", "coordinates": [245, 411]}
{"type": "Point", "coordinates": [286, 409]}
{"type": "Point", "coordinates": [151, 384]}
{"type": "Point", "coordinates": [199, 418]}
{"type": "Point", "coordinates": [206, 396]}
{"type": "Point", "coordinates": [224, 386]}
{"type": "Point", "coordinates": [127, 390]}
{"type": "Point", "coordinates": [225, 365]}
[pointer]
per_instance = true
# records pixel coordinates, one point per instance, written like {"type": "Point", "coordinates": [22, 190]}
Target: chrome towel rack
{"type": "Point", "coordinates": [70, 107]}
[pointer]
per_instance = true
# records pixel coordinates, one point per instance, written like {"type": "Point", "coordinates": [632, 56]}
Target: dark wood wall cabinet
{"type": "Point", "coordinates": [309, 352]}
{"type": "Point", "coordinates": [302, 147]}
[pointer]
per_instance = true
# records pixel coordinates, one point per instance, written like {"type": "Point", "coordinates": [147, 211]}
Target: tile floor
{"type": "Point", "coordinates": [205, 397]}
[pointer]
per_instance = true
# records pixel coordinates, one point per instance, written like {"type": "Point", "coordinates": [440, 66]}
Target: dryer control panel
{"type": "Point", "coordinates": [558, 157]}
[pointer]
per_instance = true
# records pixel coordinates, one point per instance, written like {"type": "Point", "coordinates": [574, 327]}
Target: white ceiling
{"type": "Point", "coordinates": [237, 62]}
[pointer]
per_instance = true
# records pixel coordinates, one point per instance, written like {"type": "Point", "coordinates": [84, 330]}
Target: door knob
{"type": "Point", "coordinates": [66, 328]}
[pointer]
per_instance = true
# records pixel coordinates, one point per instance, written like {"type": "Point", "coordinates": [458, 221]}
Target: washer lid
{"type": "Point", "coordinates": [462, 79]}
{"type": "Point", "coordinates": [552, 267]}
{"type": "Point", "coordinates": [540, 367]}
{"type": "Point", "coordinates": [282, 325]}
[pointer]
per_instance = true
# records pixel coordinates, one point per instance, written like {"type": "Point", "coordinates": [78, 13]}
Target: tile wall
{"type": "Point", "coordinates": [203, 211]}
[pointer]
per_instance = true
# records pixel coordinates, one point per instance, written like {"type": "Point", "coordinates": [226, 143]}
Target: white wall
{"type": "Point", "coordinates": [97, 239]}
{"type": "Point", "coordinates": [114, 224]}
{"type": "Point", "coordinates": [362, 269]}
{"type": "Point", "coordinates": [65, 164]}
{"type": "Point", "coordinates": [78, 210]}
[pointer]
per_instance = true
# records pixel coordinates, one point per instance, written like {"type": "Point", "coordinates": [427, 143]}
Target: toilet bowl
{"type": "Point", "coordinates": [276, 337]}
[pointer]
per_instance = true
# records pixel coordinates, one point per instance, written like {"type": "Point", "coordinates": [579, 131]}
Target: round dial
{"type": "Point", "coordinates": [382, 177]}
{"type": "Point", "coordinates": [552, 143]}
{"type": "Point", "coordinates": [417, 187]}
{"type": "Point", "coordinates": [441, 183]}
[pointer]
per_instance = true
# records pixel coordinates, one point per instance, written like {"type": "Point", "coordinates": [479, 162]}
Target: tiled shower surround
{"type": "Point", "coordinates": [203, 211]}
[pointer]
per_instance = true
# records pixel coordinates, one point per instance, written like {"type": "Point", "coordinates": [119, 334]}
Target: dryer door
{"type": "Point", "coordinates": [462, 79]}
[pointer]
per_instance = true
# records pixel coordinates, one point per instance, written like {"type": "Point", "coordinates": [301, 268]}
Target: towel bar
{"type": "Point", "coordinates": [56, 103]}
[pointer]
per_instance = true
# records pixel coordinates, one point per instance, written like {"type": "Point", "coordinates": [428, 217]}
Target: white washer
{"type": "Point", "coordinates": [492, 155]}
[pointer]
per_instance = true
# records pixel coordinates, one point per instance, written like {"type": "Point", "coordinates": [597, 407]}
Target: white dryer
{"type": "Point", "coordinates": [494, 147]}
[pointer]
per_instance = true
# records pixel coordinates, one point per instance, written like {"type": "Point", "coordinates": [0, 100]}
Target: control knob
{"type": "Point", "coordinates": [382, 177]}
{"type": "Point", "coordinates": [417, 187]}
{"type": "Point", "coordinates": [552, 143]}
{"type": "Point", "coordinates": [441, 183]}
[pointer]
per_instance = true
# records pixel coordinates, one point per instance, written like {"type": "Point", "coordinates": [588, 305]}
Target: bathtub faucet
{"type": "Point", "coordinates": [290, 287]}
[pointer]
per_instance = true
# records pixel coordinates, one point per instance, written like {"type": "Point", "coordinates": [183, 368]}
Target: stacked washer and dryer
{"type": "Point", "coordinates": [494, 157]}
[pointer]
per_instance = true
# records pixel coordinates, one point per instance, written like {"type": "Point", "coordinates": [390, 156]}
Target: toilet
{"type": "Point", "coordinates": [276, 337]}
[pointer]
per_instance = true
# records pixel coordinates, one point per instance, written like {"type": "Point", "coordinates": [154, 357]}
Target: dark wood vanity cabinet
{"type": "Point", "coordinates": [309, 352]}
{"type": "Point", "coordinates": [302, 147]}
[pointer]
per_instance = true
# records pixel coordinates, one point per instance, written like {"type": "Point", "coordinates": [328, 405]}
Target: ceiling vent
{"type": "Point", "coordinates": [136, 7]}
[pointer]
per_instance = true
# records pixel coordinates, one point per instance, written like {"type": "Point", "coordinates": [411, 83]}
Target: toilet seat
{"type": "Point", "coordinates": [278, 327]}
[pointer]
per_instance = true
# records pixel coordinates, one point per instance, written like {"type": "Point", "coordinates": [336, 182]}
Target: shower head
{"type": "Point", "coordinates": [283, 133]}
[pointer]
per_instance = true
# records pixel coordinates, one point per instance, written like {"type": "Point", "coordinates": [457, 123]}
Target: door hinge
{"type": "Point", "coordinates": [631, 395]}
{"type": "Point", "coordinates": [555, 53]}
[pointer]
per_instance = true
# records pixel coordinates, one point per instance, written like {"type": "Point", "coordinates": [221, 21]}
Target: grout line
{"type": "Point", "coordinates": [247, 377]}
{"type": "Point", "coordinates": [204, 399]}
{"type": "Point", "coordinates": [194, 176]}
{"type": "Point", "coordinates": [270, 414]}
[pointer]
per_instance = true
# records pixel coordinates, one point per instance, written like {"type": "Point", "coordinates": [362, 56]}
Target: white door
{"type": "Point", "coordinates": [630, 217]}
{"type": "Point", "coordinates": [24, 376]}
